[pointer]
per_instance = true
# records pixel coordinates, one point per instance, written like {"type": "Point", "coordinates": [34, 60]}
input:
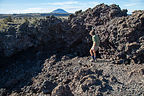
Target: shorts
{"type": "Point", "coordinates": [94, 48]}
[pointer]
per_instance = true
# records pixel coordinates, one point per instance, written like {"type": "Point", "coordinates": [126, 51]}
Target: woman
{"type": "Point", "coordinates": [95, 45]}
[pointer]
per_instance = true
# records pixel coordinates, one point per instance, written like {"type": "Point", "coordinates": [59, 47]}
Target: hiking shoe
{"type": "Point", "coordinates": [95, 60]}
{"type": "Point", "coordinates": [91, 60]}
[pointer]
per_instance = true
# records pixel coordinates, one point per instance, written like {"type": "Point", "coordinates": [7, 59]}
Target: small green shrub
{"type": "Point", "coordinates": [26, 19]}
{"type": "Point", "coordinates": [8, 19]}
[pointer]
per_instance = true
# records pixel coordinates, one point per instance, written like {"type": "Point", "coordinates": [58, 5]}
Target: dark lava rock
{"type": "Point", "coordinates": [89, 83]}
{"type": "Point", "coordinates": [62, 90]}
{"type": "Point", "coordinates": [27, 44]}
{"type": "Point", "coordinates": [116, 30]}
{"type": "Point", "coordinates": [3, 92]}
{"type": "Point", "coordinates": [47, 87]}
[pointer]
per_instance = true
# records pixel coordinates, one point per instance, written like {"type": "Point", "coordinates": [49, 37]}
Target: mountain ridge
{"type": "Point", "coordinates": [59, 11]}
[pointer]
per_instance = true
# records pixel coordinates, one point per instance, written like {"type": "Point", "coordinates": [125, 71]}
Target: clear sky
{"type": "Point", "coordinates": [45, 6]}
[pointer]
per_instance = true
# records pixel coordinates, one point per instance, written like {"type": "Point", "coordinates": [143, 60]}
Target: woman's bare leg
{"type": "Point", "coordinates": [91, 52]}
{"type": "Point", "coordinates": [94, 54]}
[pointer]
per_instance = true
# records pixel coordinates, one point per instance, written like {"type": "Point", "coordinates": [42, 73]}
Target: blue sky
{"type": "Point", "coordinates": [45, 6]}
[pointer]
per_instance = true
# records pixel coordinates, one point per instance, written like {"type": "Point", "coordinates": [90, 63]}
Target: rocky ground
{"type": "Point", "coordinates": [51, 56]}
{"type": "Point", "coordinates": [73, 76]}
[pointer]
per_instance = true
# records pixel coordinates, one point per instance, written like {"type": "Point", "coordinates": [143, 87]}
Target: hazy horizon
{"type": "Point", "coordinates": [47, 6]}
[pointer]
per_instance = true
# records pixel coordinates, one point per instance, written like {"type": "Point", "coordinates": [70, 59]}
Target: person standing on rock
{"type": "Point", "coordinates": [95, 45]}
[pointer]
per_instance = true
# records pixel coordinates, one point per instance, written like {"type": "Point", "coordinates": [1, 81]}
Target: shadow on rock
{"type": "Point", "coordinates": [19, 73]}
{"type": "Point", "coordinates": [24, 66]}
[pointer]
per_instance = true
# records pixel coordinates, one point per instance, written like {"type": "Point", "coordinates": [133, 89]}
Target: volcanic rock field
{"type": "Point", "coordinates": [51, 57]}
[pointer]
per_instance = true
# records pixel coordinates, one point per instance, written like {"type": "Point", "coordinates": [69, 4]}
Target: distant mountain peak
{"type": "Point", "coordinates": [59, 11]}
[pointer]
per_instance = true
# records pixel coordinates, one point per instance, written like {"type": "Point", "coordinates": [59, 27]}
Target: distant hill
{"type": "Point", "coordinates": [34, 14]}
{"type": "Point", "coordinates": [59, 11]}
